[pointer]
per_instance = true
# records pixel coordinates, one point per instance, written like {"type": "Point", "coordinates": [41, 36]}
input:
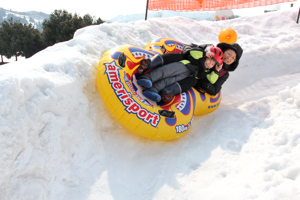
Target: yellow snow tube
{"type": "Point", "coordinates": [116, 82]}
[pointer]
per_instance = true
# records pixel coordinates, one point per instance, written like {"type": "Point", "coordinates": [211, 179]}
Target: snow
{"type": "Point", "coordinates": [58, 141]}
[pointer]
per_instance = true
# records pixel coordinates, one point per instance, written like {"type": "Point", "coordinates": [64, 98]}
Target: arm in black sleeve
{"type": "Point", "coordinates": [171, 57]}
{"type": "Point", "coordinates": [212, 89]}
{"type": "Point", "coordinates": [176, 57]}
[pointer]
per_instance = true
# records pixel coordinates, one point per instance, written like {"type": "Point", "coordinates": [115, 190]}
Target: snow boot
{"type": "Point", "coordinates": [144, 83]}
{"type": "Point", "coordinates": [152, 95]}
{"type": "Point", "coordinates": [147, 64]}
{"type": "Point", "coordinates": [169, 92]}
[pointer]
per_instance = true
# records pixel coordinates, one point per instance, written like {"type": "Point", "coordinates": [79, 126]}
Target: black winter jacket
{"type": "Point", "coordinates": [200, 84]}
{"type": "Point", "coordinates": [206, 86]}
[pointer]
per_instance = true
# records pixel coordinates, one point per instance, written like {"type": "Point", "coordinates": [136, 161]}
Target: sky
{"type": "Point", "coordinates": [58, 141]}
{"type": "Point", "coordinates": [104, 9]}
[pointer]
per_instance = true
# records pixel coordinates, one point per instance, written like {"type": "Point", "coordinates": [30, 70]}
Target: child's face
{"type": "Point", "coordinates": [209, 63]}
{"type": "Point", "coordinates": [229, 56]}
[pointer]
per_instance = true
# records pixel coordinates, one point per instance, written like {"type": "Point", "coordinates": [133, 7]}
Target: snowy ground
{"type": "Point", "coordinates": [59, 142]}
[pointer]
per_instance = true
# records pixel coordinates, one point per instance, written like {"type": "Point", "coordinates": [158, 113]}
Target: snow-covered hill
{"type": "Point", "coordinates": [59, 142]}
{"type": "Point", "coordinates": [30, 17]}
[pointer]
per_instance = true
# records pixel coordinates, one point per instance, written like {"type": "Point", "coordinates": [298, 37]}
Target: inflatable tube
{"type": "Point", "coordinates": [116, 82]}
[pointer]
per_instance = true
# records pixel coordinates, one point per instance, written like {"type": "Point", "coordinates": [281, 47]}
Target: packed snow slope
{"type": "Point", "coordinates": [59, 142]}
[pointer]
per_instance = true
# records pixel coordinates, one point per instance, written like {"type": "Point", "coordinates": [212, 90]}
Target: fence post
{"type": "Point", "coordinates": [146, 10]}
{"type": "Point", "coordinates": [298, 16]}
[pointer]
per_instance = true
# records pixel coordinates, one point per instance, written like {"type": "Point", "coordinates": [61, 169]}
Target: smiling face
{"type": "Point", "coordinates": [209, 63]}
{"type": "Point", "coordinates": [229, 56]}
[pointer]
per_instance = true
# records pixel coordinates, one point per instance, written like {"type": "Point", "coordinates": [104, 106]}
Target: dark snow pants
{"type": "Point", "coordinates": [167, 75]}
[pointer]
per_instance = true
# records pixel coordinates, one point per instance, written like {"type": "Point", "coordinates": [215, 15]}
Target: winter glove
{"type": "Point", "coordinates": [204, 85]}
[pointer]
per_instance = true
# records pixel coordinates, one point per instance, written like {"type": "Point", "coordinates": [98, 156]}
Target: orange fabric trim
{"type": "Point", "coordinates": [209, 5]}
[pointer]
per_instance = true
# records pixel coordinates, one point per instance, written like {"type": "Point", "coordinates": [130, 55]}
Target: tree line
{"type": "Point", "coordinates": [17, 39]}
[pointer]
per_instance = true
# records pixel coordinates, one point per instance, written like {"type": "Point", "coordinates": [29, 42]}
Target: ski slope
{"type": "Point", "coordinates": [59, 142]}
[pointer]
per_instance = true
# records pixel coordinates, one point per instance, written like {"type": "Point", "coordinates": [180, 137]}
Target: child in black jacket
{"type": "Point", "coordinates": [232, 55]}
{"type": "Point", "coordinates": [198, 62]}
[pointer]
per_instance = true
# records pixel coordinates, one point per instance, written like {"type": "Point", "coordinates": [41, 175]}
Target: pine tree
{"type": "Point", "coordinates": [17, 39]}
{"type": "Point", "coordinates": [99, 21]}
{"type": "Point", "coordinates": [5, 39]}
{"type": "Point", "coordinates": [61, 26]}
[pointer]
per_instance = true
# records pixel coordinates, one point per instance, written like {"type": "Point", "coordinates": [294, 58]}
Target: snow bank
{"type": "Point", "coordinates": [58, 141]}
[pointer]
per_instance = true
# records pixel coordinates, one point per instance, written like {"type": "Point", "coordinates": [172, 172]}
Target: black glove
{"type": "Point", "coordinates": [204, 85]}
